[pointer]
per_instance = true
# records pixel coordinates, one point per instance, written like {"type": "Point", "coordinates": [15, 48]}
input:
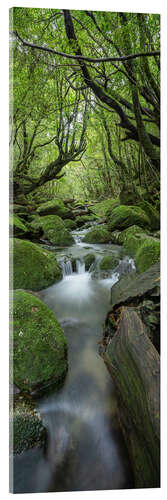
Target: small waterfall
{"type": "Point", "coordinates": [80, 266]}
{"type": "Point", "coordinates": [66, 267]}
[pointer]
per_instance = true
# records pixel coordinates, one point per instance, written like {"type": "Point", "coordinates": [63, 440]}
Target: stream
{"type": "Point", "coordinates": [85, 449]}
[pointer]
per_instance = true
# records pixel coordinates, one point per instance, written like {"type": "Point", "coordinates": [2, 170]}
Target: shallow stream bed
{"type": "Point", "coordinates": [85, 449]}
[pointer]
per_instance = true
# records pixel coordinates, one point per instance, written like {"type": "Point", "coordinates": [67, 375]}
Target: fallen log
{"type": "Point", "coordinates": [134, 364]}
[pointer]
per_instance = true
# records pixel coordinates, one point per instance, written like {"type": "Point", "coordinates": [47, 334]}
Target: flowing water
{"type": "Point", "coordinates": [85, 449]}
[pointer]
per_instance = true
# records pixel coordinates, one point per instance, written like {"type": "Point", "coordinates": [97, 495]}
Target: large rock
{"type": "Point", "coordinates": [39, 346]}
{"type": "Point", "coordinates": [108, 262]}
{"type": "Point", "coordinates": [25, 426]}
{"type": "Point", "coordinates": [142, 292]}
{"type": "Point", "coordinates": [134, 365]}
{"type": "Point", "coordinates": [33, 267]}
{"type": "Point", "coordinates": [125, 216]}
{"type": "Point", "coordinates": [105, 207]}
{"type": "Point", "coordinates": [132, 238]}
{"type": "Point", "coordinates": [97, 235]}
{"type": "Point", "coordinates": [135, 287]}
{"type": "Point", "coordinates": [55, 207]}
{"type": "Point", "coordinates": [54, 230]}
{"type": "Point", "coordinates": [70, 224]}
{"type": "Point", "coordinates": [147, 254]}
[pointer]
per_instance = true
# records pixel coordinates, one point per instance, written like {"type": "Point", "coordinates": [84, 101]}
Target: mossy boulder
{"type": "Point", "coordinates": [132, 238]}
{"type": "Point", "coordinates": [109, 262]}
{"type": "Point", "coordinates": [33, 267]}
{"type": "Point", "coordinates": [147, 254]}
{"type": "Point", "coordinates": [99, 234]}
{"type": "Point", "coordinates": [102, 208]}
{"type": "Point", "coordinates": [55, 231]}
{"type": "Point", "coordinates": [17, 227]}
{"type": "Point", "coordinates": [39, 344]}
{"type": "Point", "coordinates": [70, 224]}
{"type": "Point", "coordinates": [26, 427]}
{"type": "Point", "coordinates": [89, 259]}
{"type": "Point", "coordinates": [152, 213]}
{"type": "Point", "coordinates": [55, 207]}
{"type": "Point", "coordinates": [125, 216]}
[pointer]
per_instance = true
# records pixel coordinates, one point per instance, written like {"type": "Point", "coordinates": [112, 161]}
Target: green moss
{"type": "Point", "coordinates": [54, 207]}
{"type": "Point", "coordinates": [115, 237]}
{"type": "Point", "coordinates": [26, 428]}
{"type": "Point", "coordinates": [33, 268]}
{"type": "Point", "coordinates": [55, 231]}
{"type": "Point", "coordinates": [104, 206]}
{"type": "Point", "coordinates": [108, 262]}
{"type": "Point", "coordinates": [132, 237]}
{"type": "Point", "coordinates": [70, 224]}
{"type": "Point", "coordinates": [152, 214]}
{"type": "Point", "coordinates": [17, 226]}
{"type": "Point", "coordinates": [147, 254]}
{"type": "Point", "coordinates": [125, 216]}
{"type": "Point", "coordinates": [39, 345]}
{"type": "Point", "coordinates": [89, 259]}
{"type": "Point", "coordinates": [97, 235]}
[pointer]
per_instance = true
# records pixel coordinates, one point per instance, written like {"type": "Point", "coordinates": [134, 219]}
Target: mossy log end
{"type": "Point", "coordinates": [134, 365]}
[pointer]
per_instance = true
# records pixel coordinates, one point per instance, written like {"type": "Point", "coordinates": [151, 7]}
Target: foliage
{"type": "Point", "coordinates": [82, 98]}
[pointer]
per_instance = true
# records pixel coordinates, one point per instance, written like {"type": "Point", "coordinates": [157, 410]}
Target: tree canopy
{"type": "Point", "coordinates": [85, 92]}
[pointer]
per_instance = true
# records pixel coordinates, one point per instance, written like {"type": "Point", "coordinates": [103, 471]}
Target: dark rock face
{"type": "Point", "coordinates": [142, 293]}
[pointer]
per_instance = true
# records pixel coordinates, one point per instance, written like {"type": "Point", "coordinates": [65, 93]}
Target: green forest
{"type": "Point", "coordinates": [84, 189]}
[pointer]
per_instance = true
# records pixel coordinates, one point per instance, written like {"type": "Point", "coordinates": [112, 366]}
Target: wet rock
{"type": "Point", "coordinates": [33, 267]}
{"type": "Point", "coordinates": [39, 345]}
{"type": "Point", "coordinates": [125, 216]}
{"type": "Point", "coordinates": [147, 254]}
{"type": "Point", "coordinates": [55, 207]}
{"type": "Point", "coordinates": [109, 262]}
{"type": "Point", "coordinates": [55, 231]}
{"type": "Point", "coordinates": [25, 426]}
{"type": "Point", "coordinates": [98, 234]}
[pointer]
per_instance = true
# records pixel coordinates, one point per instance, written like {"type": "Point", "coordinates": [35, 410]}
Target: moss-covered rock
{"type": "Point", "coordinates": [33, 267]}
{"type": "Point", "coordinates": [55, 231]}
{"type": "Point", "coordinates": [26, 427]}
{"type": "Point", "coordinates": [152, 214]}
{"type": "Point", "coordinates": [99, 234]}
{"type": "Point", "coordinates": [54, 207]}
{"type": "Point", "coordinates": [109, 262]}
{"type": "Point", "coordinates": [103, 207]}
{"type": "Point", "coordinates": [89, 259]}
{"type": "Point", "coordinates": [70, 224]}
{"type": "Point", "coordinates": [125, 216]}
{"type": "Point", "coordinates": [39, 344]}
{"type": "Point", "coordinates": [132, 238]}
{"type": "Point", "coordinates": [17, 227]}
{"type": "Point", "coordinates": [147, 254]}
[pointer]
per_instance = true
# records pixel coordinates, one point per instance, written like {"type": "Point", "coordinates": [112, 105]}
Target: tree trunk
{"type": "Point", "coordinates": [134, 365]}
